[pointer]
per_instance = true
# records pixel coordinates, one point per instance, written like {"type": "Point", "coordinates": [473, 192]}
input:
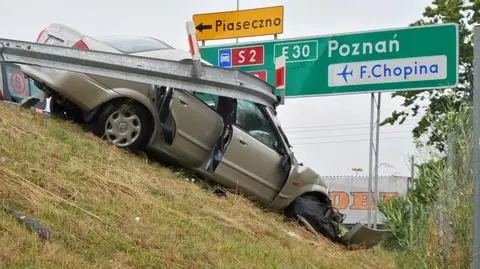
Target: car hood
{"type": "Point", "coordinates": [307, 176]}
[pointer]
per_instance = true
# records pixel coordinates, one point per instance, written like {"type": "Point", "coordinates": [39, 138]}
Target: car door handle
{"type": "Point", "coordinates": [241, 141]}
{"type": "Point", "coordinates": [183, 103]}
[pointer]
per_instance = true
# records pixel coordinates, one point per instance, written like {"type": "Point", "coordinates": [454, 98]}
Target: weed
{"type": "Point", "coordinates": [436, 232]}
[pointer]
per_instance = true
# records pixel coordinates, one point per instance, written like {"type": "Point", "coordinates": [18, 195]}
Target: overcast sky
{"type": "Point", "coordinates": [333, 139]}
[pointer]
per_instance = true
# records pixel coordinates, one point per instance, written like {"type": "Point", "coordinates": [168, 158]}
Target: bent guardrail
{"type": "Point", "coordinates": [214, 80]}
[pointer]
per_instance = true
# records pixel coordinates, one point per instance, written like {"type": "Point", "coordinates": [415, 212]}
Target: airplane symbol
{"type": "Point", "coordinates": [345, 72]}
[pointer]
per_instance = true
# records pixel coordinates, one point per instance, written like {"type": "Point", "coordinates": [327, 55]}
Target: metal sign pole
{"type": "Point", "coordinates": [411, 210]}
{"type": "Point", "coordinates": [238, 8]}
{"type": "Point", "coordinates": [377, 143]}
{"type": "Point", "coordinates": [476, 150]}
{"type": "Point", "coordinates": [370, 161]}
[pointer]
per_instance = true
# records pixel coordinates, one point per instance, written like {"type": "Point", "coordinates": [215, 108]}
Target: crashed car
{"type": "Point", "coordinates": [237, 143]}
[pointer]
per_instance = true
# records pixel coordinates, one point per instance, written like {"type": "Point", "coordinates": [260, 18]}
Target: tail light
{"type": "Point", "coordinates": [40, 35]}
{"type": "Point", "coordinates": [80, 45]}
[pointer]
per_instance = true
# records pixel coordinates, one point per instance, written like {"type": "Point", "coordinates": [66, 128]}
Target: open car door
{"type": "Point", "coordinates": [190, 129]}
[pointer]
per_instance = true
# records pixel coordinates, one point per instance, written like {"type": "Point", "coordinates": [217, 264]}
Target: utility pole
{"type": "Point", "coordinates": [476, 149]}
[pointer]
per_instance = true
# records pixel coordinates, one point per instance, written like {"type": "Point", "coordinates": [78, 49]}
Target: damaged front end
{"type": "Point", "coordinates": [305, 199]}
{"type": "Point", "coordinates": [361, 235]}
{"type": "Point", "coordinates": [329, 223]}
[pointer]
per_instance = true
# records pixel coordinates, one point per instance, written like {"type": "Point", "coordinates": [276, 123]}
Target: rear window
{"type": "Point", "coordinates": [134, 44]}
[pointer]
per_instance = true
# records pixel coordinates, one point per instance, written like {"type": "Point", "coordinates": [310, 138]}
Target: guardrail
{"type": "Point", "coordinates": [214, 80]}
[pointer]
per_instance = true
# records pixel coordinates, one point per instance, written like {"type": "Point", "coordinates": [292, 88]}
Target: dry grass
{"type": "Point", "coordinates": [89, 194]}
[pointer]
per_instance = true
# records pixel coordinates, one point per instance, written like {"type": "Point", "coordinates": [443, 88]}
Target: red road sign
{"type": "Point", "coordinates": [280, 71]}
{"type": "Point", "coordinates": [262, 74]}
{"type": "Point", "coordinates": [17, 82]}
{"type": "Point", "coordinates": [248, 56]}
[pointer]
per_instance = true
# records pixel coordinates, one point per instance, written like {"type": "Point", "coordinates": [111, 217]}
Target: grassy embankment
{"type": "Point", "coordinates": [90, 194]}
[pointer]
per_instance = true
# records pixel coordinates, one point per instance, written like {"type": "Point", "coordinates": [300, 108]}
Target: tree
{"type": "Point", "coordinates": [442, 102]}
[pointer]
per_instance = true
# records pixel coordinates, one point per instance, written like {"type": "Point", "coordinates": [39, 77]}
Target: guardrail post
{"type": "Point", "coordinates": [194, 49]}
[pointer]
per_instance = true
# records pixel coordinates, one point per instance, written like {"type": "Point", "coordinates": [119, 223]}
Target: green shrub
{"type": "Point", "coordinates": [435, 232]}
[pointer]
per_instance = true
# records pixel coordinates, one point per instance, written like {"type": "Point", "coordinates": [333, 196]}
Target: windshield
{"type": "Point", "coordinates": [133, 44]}
{"type": "Point", "coordinates": [277, 123]}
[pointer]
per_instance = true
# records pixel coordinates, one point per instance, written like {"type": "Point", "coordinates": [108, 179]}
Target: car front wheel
{"type": "Point", "coordinates": [316, 213]}
{"type": "Point", "coordinates": [124, 124]}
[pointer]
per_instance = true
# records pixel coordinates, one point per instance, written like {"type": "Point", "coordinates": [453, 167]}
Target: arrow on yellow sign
{"type": "Point", "coordinates": [202, 27]}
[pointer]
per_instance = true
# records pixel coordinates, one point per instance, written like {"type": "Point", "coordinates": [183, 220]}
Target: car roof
{"type": "Point", "coordinates": [133, 44]}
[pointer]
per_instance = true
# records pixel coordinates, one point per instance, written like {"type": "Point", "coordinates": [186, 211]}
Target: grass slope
{"type": "Point", "coordinates": [90, 194]}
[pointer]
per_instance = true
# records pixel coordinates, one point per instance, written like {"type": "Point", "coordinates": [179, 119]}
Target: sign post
{"type": "Point", "coordinates": [238, 8]}
{"type": "Point", "coordinates": [239, 23]}
{"type": "Point", "coordinates": [371, 148]}
{"type": "Point", "coordinates": [280, 76]}
{"type": "Point", "coordinates": [194, 49]}
{"type": "Point", "coordinates": [377, 145]}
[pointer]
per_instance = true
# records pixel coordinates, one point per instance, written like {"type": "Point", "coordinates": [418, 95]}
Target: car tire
{"type": "Point", "coordinates": [319, 214]}
{"type": "Point", "coordinates": [124, 124]}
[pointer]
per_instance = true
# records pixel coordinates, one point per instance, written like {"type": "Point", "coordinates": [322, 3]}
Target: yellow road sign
{"type": "Point", "coordinates": [241, 23]}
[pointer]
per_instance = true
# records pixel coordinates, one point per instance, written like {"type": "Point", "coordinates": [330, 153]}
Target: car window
{"type": "Point", "coordinates": [279, 127]}
{"type": "Point", "coordinates": [254, 121]}
{"type": "Point", "coordinates": [51, 40]}
{"type": "Point", "coordinates": [250, 118]}
{"type": "Point", "coordinates": [133, 44]}
{"type": "Point", "coordinates": [209, 99]}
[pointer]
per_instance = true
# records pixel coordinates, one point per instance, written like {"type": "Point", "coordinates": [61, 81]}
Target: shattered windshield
{"type": "Point", "coordinates": [273, 115]}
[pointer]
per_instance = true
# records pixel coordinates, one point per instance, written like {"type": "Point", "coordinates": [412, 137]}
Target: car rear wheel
{"type": "Point", "coordinates": [318, 213]}
{"type": "Point", "coordinates": [124, 124]}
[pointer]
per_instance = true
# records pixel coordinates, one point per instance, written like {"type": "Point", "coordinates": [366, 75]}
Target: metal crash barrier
{"type": "Point", "coordinates": [182, 75]}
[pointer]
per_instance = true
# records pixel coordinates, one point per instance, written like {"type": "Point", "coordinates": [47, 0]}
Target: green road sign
{"type": "Point", "coordinates": [409, 58]}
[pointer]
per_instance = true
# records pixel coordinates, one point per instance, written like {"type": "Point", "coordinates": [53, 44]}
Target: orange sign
{"type": "Point", "coordinates": [356, 200]}
{"type": "Point", "coordinates": [239, 23]}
